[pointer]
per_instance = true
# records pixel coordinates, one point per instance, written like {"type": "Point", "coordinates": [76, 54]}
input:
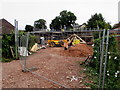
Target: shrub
{"type": "Point", "coordinates": [113, 62]}
{"type": "Point", "coordinates": [32, 40]}
{"type": "Point", "coordinates": [7, 41]}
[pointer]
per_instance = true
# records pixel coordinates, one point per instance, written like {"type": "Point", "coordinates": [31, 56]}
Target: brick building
{"type": "Point", "coordinates": [5, 27]}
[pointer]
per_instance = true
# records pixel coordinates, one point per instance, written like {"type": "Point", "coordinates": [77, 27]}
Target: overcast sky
{"type": "Point", "coordinates": [27, 11]}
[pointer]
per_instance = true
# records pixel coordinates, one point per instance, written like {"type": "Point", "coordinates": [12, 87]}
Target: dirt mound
{"type": "Point", "coordinates": [79, 50]}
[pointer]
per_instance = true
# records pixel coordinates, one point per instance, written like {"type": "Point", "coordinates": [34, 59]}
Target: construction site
{"type": "Point", "coordinates": [54, 60]}
{"type": "Point", "coordinates": [57, 64]}
{"type": "Point", "coordinates": [77, 48]}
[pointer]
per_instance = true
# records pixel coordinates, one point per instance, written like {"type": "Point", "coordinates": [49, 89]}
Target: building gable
{"type": "Point", "coordinates": [5, 27]}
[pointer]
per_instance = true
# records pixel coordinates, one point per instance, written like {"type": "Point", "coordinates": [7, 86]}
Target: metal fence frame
{"type": "Point", "coordinates": [103, 45]}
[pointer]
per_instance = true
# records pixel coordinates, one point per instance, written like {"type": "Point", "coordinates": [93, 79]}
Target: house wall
{"type": "Point", "coordinates": [6, 27]}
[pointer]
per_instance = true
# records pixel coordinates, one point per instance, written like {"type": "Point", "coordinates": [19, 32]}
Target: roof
{"type": "Point", "coordinates": [6, 27]}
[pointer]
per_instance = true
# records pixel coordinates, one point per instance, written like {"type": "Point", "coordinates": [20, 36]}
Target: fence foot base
{"type": "Point", "coordinates": [29, 69]}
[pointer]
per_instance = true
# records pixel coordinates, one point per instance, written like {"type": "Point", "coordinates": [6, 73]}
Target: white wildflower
{"type": "Point", "coordinates": [95, 50]}
{"type": "Point", "coordinates": [115, 57]}
{"type": "Point", "coordinates": [109, 57]}
{"type": "Point", "coordinates": [93, 45]}
{"type": "Point", "coordinates": [95, 57]}
{"type": "Point", "coordinates": [115, 75]}
{"type": "Point", "coordinates": [107, 71]}
{"type": "Point", "coordinates": [108, 52]}
{"type": "Point", "coordinates": [108, 74]}
{"type": "Point", "coordinates": [118, 71]}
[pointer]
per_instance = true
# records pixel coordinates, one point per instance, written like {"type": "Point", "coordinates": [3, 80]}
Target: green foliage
{"type": "Point", "coordinates": [113, 63]}
{"type": "Point", "coordinates": [66, 19]}
{"type": "Point", "coordinates": [7, 41]}
{"type": "Point", "coordinates": [56, 23]}
{"type": "Point", "coordinates": [92, 75]}
{"type": "Point", "coordinates": [40, 24]}
{"type": "Point", "coordinates": [21, 33]}
{"type": "Point", "coordinates": [32, 40]}
{"type": "Point", "coordinates": [6, 60]}
{"type": "Point", "coordinates": [95, 82]}
{"type": "Point", "coordinates": [28, 28]}
{"type": "Point", "coordinates": [96, 21]}
{"type": "Point", "coordinates": [94, 62]}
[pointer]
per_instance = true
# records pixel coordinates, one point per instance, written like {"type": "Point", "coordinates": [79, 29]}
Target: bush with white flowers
{"type": "Point", "coordinates": [112, 79]}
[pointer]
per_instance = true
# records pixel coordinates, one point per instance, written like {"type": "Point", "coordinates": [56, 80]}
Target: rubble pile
{"type": "Point", "coordinates": [79, 50]}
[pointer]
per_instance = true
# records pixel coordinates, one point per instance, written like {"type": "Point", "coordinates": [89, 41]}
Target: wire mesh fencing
{"type": "Point", "coordinates": [23, 52]}
{"type": "Point", "coordinates": [29, 44]}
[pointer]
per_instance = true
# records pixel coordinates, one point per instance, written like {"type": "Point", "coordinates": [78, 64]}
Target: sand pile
{"type": "Point", "coordinates": [79, 50]}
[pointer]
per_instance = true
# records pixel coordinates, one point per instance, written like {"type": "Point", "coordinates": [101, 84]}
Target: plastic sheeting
{"type": "Point", "coordinates": [34, 48]}
{"type": "Point", "coordinates": [23, 51]}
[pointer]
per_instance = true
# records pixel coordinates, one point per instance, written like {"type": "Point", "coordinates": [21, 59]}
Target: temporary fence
{"type": "Point", "coordinates": [24, 52]}
{"type": "Point", "coordinates": [24, 60]}
{"type": "Point", "coordinates": [24, 49]}
{"type": "Point", "coordinates": [16, 38]}
{"type": "Point", "coordinates": [103, 52]}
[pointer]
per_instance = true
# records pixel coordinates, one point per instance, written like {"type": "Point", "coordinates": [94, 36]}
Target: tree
{"type": "Point", "coordinates": [40, 24]}
{"type": "Point", "coordinates": [97, 21]}
{"type": "Point", "coordinates": [66, 19]}
{"type": "Point", "coordinates": [28, 28]}
{"type": "Point", "coordinates": [56, 23]}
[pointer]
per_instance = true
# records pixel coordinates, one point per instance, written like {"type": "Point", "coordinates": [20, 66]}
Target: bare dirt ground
{"type": "Point", "coordinates": [52, 64]}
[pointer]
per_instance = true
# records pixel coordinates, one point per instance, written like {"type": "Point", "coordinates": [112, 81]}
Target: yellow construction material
{"type": "Point", "coordinates": [53, 43]}
{"type": "Point", "coordinates": [75, 41]}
